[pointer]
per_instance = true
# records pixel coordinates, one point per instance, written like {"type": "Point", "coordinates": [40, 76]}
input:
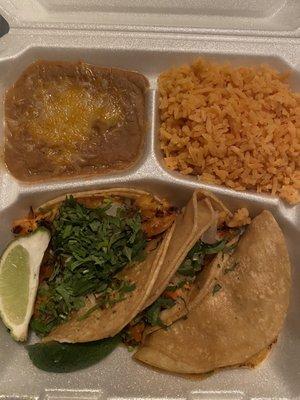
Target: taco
{"type": "Point", "coordinates": [238, 315]}
{"type": "Point", "coordinates": [200, 234]}
{"type": "Point", "coordinates": [106, 251]}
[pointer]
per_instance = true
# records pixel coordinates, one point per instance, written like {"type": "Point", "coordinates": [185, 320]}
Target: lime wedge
{"type": "Point", "coordinates": [19, 278]}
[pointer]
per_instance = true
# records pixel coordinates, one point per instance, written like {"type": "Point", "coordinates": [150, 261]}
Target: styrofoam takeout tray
{"type": "Point", "coordinates": [150, 36]}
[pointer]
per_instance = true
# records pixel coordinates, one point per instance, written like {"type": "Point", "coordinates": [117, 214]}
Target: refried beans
{"type": "Point", "coordinates": [66, 118]}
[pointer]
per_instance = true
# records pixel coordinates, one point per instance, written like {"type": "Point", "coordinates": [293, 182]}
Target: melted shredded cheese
{"type": "Point", "coordinates": [67, 113]}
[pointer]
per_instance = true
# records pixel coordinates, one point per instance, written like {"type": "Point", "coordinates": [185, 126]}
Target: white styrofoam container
{"type": "Point", "coordinates": [149, 36]}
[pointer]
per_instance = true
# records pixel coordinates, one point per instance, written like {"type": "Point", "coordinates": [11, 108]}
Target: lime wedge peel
{"type": "Point", "coordinates": [19, 278]}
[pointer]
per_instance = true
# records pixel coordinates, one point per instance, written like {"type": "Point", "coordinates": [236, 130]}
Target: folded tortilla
{"type": "Point", "coordinates": [199, 217]}
{"type": "Point", "coordinates": [239, 318]}
{"type": "Point", "coordinates": [103, 323]}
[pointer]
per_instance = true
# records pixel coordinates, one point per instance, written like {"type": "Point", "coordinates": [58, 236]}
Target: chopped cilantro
{"type": "Point", "coordinates": [194, 260]}
{"type": "Point", "coordinates": [89, 247]}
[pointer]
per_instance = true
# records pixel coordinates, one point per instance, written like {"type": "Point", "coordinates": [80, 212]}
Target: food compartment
{"type": "Point", "coordinates": [206, 140]}
{"type": "Point", "coordinates": [49, 100]}
{"type": "Point", "coordinates": [131, 379]}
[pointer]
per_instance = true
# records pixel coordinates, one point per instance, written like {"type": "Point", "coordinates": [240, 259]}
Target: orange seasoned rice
{"type": "Point", "coordinates": [232, 126]}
